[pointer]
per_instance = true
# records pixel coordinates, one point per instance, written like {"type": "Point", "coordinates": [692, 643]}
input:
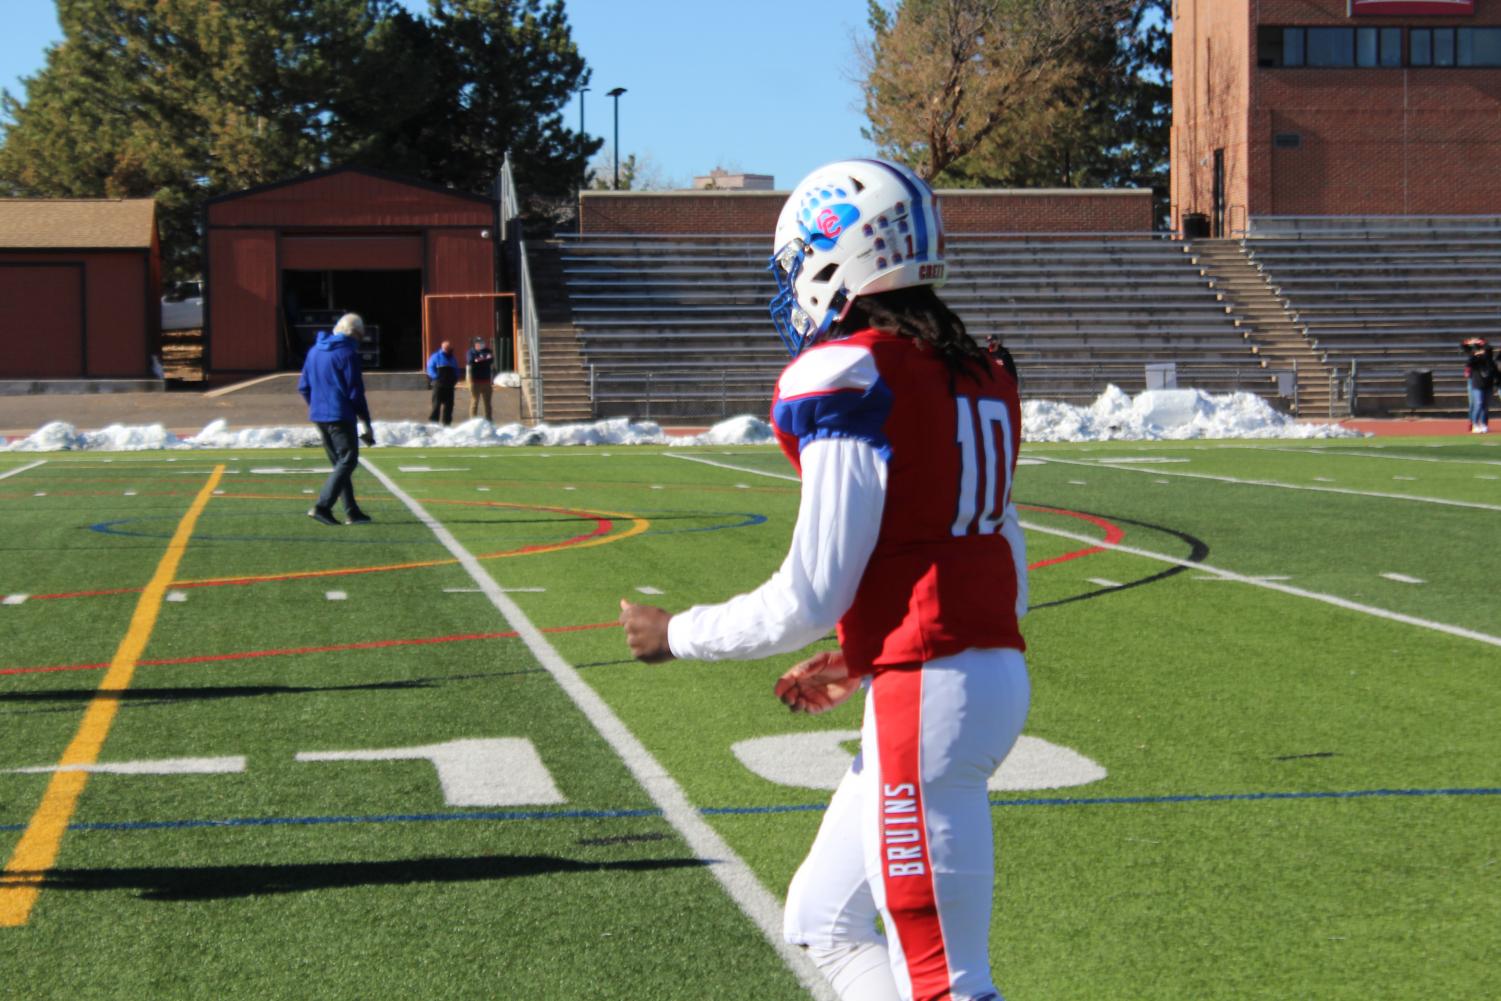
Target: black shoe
{"type": "Point", "coordinates": [357, 517]}
{"type": "Point", "coordinates": [322, 514]}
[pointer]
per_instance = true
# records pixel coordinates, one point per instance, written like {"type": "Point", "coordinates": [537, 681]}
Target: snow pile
{"type": "Point", "coordinates": [1166, 414]}
{"type": "Point", "coordinates": [1115, 416]}
{"type": "Point", "coordinates": [216, 434]}
{"type": "Point", "coordinates": [742, 430]}
{"type": "Point", "coordinates": [59, 436]}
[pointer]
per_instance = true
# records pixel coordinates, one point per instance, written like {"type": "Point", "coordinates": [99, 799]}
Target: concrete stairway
{"type": "Point", "coordinates": [1266, 322]}
{"type": "Point", "coordinates": [565, 379]}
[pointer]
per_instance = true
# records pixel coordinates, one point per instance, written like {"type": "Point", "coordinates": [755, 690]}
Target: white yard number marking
{"type": "Point", "coordinates": [992, 416]}
{"type": "Point", "coordinates": [503, 771]}
{"type": "Point", "coordinates": [819, 761]}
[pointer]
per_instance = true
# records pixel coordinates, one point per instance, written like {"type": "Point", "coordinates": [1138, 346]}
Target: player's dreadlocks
{"type": "Point", "coordinates": [917, 312]}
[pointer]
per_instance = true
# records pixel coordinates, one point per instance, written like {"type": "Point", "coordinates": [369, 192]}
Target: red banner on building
{"type": "Point", "coordinates": [1420, 8]}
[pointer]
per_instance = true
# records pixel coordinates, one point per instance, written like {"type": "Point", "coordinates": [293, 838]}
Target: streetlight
{"type": "Point", "coordinates": [616, 95]}
{"type": "Point", "coordinates": [583, 140]}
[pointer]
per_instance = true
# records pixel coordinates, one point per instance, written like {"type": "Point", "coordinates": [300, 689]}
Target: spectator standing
{"type": "Point", "coordinates": [334, 388]}
{"type": "Point", "coordinates": [442, 377]}
{"type": "Point", "coordinates": [479, 377]}
{"type": "Point", "coordinates": [1481, 378]}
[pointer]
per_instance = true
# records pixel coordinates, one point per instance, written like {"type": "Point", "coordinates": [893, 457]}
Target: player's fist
{"type": "Point", "coordinates": [368, 435]}
{"type": "Point", "coordinates": [817, 684]}
{"type": "Point", "coordinates": [645, 631]}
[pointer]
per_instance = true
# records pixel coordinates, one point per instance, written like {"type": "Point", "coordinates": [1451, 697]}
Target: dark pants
{"type": "Point", "coordinates": [343, 447]}
{"type": "Point", "coordinates": [442, 404]}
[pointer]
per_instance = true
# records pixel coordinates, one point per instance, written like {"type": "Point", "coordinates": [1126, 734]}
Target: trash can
{"type": "Point", "coordinates": [1420, 388]}
{"type": "Point", "coordinates": [1195, 226]}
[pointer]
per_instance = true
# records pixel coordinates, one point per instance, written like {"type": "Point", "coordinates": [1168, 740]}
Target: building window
{"type": "Point", "coordinates": [1331, 47]}
{"type": "Point", "coordinates": [1292, 46]}
{"type": "Point", "coordinates": [1378, 47]}
{"type": "Point", "coordinates": [1433, 47]}
{"type": "Point", "coordinates": [1287, 140]}
{"type": "Point", "coordinates": [1479, 47]}
{"type": "Point", "coordinates": [1391, 47]}
{"type": "Point", "coordinates": [1279, 47]}
{"type": "Point", "coordinates": [1420, 47]}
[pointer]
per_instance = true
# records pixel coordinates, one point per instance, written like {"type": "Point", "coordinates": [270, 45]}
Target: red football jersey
{"type": "Point", "coordinates": [942, 578]}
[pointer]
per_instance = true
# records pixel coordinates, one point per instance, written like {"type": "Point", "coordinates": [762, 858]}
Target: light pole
{"type": "Point", "coordinates": [583, 140]}
{"type": "Point", "coordinates": [616, 95]}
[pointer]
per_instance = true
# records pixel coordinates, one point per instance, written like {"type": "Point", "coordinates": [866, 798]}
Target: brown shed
{"type": "Point", "coordinates": [284, 260]}
{"type": "Point", "coordinates": [80, 284]}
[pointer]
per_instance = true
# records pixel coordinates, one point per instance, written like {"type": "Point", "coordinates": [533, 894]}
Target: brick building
{"type": "Point", "coordinates": [285, 259]}
{"type": "Point", "coordinates": [1335, 107]}
{"type": "Point", "coordinates": [80, 281]}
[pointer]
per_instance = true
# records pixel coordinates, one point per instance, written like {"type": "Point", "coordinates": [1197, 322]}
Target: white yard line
{"type": "Point", "coordinates": [1328, 599]}
{"type": "Point", "coordinates": [732, 872]}
{"type": "Point", "coordinates": [738, 469]}
{"type": "Point", "coordinates": [1402, 578]}
{"type": "Point", "coordinates": [1265, 582]}
{"type": "Point", "coordinates": [1374, 454]}
{"type": "Point", "coordinates": [21, 469]}
{"type": "Point", "coordinates": [1476, 505]}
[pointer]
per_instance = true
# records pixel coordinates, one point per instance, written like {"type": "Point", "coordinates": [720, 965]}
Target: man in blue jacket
{"type": "Point", "coordinates": [334, 389]}
{"type": "Point", "coordinates": [442, 376]}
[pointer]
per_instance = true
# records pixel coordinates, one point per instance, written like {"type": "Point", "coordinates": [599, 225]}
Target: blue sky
{"type": "Point", "coordinates": [765, 87]}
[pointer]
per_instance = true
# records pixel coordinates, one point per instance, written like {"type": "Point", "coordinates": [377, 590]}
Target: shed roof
{"type": "Point", "coordinates": [77, 223]}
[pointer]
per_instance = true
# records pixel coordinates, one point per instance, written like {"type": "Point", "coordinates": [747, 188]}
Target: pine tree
{"type": "Point", "coordinates": [182, 100]}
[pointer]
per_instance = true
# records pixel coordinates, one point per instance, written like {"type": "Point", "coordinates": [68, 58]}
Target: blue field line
{"type": "Point", "coordinates": [731, 811]}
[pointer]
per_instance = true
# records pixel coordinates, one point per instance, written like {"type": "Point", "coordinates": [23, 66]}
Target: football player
{"type": "Point", "coordinates": [905, 433]}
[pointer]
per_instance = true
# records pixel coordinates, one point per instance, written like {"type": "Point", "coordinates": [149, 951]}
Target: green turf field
{"type": "Point", "coordinates": [334, 770]}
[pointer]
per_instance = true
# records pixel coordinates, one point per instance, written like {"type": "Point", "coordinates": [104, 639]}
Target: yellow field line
{"type": "Point", "coordinates": [24, 874]}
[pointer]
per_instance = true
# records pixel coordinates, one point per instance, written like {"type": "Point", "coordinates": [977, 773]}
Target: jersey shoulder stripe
{"type": "Point", "coordinates": [828, 368]}
{"type": "Point", "coordinates": [833, 391]}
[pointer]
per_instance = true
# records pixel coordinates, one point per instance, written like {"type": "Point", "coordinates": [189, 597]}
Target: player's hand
{"type": "Point", "coordinates": [646, 631]}
{"type": "Point", "coordinates": [818, 684]}
{"type": "Point", "coordinates": [368, 435]}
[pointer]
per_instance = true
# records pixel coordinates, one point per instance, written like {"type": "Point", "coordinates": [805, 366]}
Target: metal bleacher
{"type": "Point", "coordinates": [1379, 297]}
{"type": "Point", "coordinates": [676, 326]}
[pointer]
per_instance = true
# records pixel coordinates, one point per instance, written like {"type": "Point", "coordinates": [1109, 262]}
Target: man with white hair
{"type": "Point", "coordinates": [334, 389]}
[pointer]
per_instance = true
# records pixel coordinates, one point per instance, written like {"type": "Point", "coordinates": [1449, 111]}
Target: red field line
{"type": "Point", "coordinates": [1113, 535]}
{"type": "Point", "coordinates": [214, 658]}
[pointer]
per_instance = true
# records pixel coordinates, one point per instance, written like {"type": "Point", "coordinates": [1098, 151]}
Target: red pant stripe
{"type": "Point", "coordinates": [906, 867]}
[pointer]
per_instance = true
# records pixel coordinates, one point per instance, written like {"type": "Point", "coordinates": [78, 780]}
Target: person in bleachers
{"type": "Point", "coordinates": [1482, 377]}
{"type": "Point", "coordinates": [996, 349]}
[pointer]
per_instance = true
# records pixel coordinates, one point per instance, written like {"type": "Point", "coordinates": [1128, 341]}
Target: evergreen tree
{"type": "Point", "coordinates": [182, 100]}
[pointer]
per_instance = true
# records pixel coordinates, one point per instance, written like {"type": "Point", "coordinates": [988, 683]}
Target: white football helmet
{"type": "Point", "coordinates": [851, 228]}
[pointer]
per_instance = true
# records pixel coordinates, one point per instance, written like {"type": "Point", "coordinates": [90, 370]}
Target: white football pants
{"type": "Point", "coordinates": [908, 832]}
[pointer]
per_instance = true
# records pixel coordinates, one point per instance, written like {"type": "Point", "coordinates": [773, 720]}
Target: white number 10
{"type": "Point", "coordinates": [973, 459]}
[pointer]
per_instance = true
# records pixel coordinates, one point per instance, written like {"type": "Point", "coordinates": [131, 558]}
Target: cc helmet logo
{"type": "Point", "coordinates": [822, 228]}
{"type": "Point", "coordinates": [829, 223]}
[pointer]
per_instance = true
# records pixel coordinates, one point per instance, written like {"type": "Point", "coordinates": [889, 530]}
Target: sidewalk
{"type": "Point", "coordinates": [186, 413]}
